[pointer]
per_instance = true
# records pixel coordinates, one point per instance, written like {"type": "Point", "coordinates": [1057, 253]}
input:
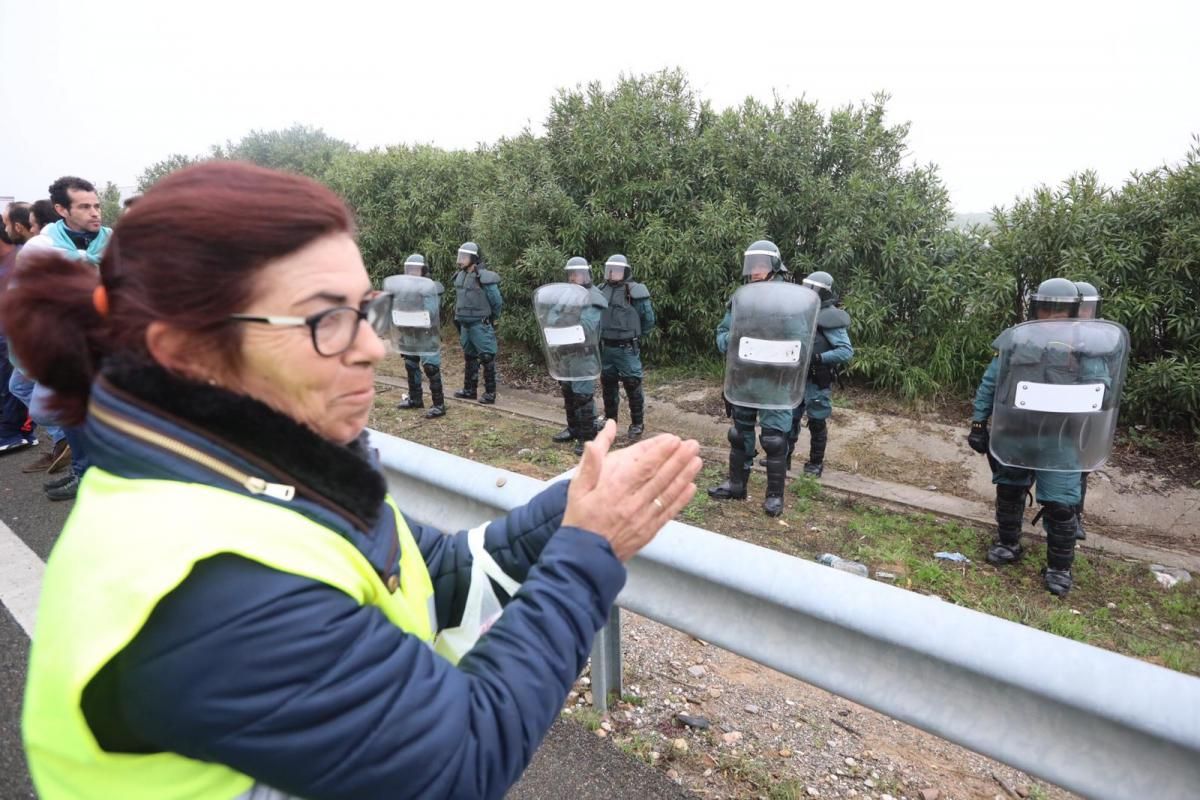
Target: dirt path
{"type": "Point", "coordinates": [912, 463]}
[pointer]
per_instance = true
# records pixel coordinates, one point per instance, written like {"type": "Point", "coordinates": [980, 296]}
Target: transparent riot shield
{"type": "Point", "coordinates": [770, 344]}
{"type": "Point", "coordinates": [416, 323]}
{"type": "Point", "coordinates": [570, 331]}
{"type": "Point", "coordinates": [1057, 393]}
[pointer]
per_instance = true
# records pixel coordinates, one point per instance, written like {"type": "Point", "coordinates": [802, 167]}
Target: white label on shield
{"type": "Point", "coordinates": [769, 351]}
{"type": "Point", "coordinates": [557, 337]}
{"type": "Point", "coordinates": [410, 319]}
{"type": "Point", "coordinates": [1059, 398]}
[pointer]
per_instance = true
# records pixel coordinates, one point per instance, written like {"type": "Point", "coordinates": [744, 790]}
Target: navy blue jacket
{"type": "Point", "coordinates": [292, 682]}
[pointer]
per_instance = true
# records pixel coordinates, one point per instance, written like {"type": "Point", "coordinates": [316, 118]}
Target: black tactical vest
{"type": "Point", "coordinates": [620, 320]}
{"type": "Point", "coordinates": [470, 302]}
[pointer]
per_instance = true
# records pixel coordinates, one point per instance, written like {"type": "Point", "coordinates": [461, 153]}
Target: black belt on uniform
{"type": "Point", "coordinates": [618, 342]}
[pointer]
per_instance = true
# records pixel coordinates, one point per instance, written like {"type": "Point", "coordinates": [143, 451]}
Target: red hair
{"type": "Point", "coordinates": [187, 253]}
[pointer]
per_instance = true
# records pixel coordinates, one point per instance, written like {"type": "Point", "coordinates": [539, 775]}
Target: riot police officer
{"type": "Point", "coordinates": [477, 305]}
{"type": "Point", "coordinates": [578, 395]}
{"type": "Point", "coordinates": [432, 364]}
{"type": "Point", "coordinates": [1089, 308]}
{"type": "Point", "coordinates": [767, 337]}
{"type": "Point", "coordinates": [831, 351]}
{"type": "Point", "coordinates": [628, 317]}
{"type": "Point", "coordinates": [1052, 394]}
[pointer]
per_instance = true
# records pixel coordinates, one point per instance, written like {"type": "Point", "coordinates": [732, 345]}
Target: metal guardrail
{"type": "Point", "coordinates": [1086, 719]}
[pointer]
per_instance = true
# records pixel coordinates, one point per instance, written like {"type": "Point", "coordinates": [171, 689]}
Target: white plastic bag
{"type": "Point", "coordinates": [482, 608]}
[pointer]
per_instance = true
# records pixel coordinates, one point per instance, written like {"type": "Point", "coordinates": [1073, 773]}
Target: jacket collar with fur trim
{"type": "Point", "coordinates": [336, 485]}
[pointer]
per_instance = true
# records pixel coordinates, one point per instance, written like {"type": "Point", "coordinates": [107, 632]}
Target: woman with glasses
{"type": "Point", "coordinates": [236, 608]}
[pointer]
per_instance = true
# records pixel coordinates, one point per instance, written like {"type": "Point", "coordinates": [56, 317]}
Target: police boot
{"type": "Point", "coordinates": [438, 409]}
{"type": "Point", "coordinates": [1060, 524]}
{"type": "Point", "coordinates": [584, 423]}
{"type": "Point", "coordinates": [637, 406]}
{"type": "Point", "coordinates": [610, 389]}
{"type": "Point", "coordinates": [1080, 533]}
{"type": "Point", "coordinates": [470, 379]}
{"type": "Point", "coordinates": [1010, 513]}
{"type": "Point", "coordinates": [818, 433]}
{"type": "Point", "coordinates": [489, 379]}
{"type": "Point", "coordinates": [734, 487]}
{"type": "Point", "coordinates": [414, 399]}
{"type": "Point", "coordinates": [566, 434]}
{"type": "Point", "coordinates": [775, 443]}
{"type": "Point", "coordinates": [794, 434]}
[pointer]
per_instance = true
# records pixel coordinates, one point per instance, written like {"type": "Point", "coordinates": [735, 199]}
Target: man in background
{"type": "Point", "coordinates": [15, 429]}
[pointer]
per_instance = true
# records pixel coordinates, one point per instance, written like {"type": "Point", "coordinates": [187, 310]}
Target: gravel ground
{"type": "Point", "coordinates": [772, 736]}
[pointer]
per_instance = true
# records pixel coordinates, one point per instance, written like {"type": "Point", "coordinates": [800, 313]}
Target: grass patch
{"type": "Point", "coordinates": [710, 369]}
{"type": "Point", "coordinates": [588, 717]}
{"type": "Point", "coordinates": [754, 777]}
{"type": "Point", "coordinates": [788, 790]}
{"type": "Point", "coordinates": [745, 770]}
{"type": "Point", "coordinates": [1061, 622]}
{"type": "Point", "coordinates": [1182, 659]}
{"type": "Point", "coordinates": [640, 746]}
{"type": "Point", "coordinates": [701, 507]}
{"type": "Point", "coordinates": [805, 487]}
{"type": "Point", "coordinates": [1145, 621]}
{"type": "Point", "coordinates": [697, 509]}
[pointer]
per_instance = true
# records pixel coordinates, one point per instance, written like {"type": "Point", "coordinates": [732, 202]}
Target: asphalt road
{"type": "Point", "coordinates": [572, 763]}
{"type": "Point", "coordinates": [36, 521]}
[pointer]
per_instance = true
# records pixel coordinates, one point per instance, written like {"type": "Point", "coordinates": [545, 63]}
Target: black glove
{"type": "Point", "coordinates": [728, 409]}
{"type": "Point", "coordinates": [816, 359]}
{"type": "Point", "coordinates": [979, 436]}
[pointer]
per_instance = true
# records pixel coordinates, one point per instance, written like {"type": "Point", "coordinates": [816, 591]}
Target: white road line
{"type": "Point", "coordinates": [20, 578]}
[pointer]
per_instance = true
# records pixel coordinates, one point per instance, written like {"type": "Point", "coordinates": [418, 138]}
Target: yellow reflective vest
{"type": "Point", "coordinates": [129, 543]}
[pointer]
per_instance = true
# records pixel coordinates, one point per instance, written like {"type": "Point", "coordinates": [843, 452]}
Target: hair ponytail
{"type": "Point", "coordinates": [54, 330]}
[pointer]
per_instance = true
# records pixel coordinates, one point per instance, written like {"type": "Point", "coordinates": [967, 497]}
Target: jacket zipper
{"type": "Point", "coordinates": [251, 483]}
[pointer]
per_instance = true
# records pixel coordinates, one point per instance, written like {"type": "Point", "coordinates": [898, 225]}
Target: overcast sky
{"type": "Point", "coordinates": [1002, 96]}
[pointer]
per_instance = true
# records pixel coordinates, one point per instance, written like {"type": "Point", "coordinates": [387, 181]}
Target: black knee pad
{"type": "Point", "coordinates": [816, 425]}
{"type": "Point", "coordinates": [431, 370]}
{"type": "Point", "coordinates": [774, 442]}
{"type": "Point", "coordinates": [486, 358]}
{"type": "Point", "coordinates": [736, 437]}
{"type": "Point", "coordinates": [1058, 514]}
{"type": "Point", "coordinates": [631, 384]}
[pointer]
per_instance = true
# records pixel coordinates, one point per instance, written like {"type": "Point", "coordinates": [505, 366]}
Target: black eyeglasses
{"type": "Point", "coordinates": [334, 329]}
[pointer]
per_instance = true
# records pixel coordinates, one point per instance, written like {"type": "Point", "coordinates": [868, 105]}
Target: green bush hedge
{"type": "Point", "coordinates": [649, 169]}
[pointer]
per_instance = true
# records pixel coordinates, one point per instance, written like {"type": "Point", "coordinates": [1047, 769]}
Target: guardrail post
{"type": "Point", "coordinates": [606, 662]}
